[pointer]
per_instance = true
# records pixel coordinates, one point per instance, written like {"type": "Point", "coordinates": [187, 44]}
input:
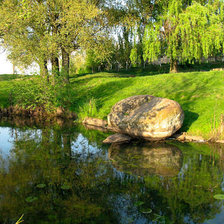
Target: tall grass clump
{"type": "Point", "coordinates": [88, 109]}
{"type": "Point", "coordinates": [217, 128]}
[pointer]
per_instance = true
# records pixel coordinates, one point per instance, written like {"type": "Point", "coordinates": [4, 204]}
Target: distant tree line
{"type": "Point", "coordinates": [95, 35]}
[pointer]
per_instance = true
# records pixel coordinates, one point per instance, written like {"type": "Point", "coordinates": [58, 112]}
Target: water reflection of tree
{"type": "Point", "coordinates": [47, 182]}
{"type": "Point", "coordinates": [50, 182]}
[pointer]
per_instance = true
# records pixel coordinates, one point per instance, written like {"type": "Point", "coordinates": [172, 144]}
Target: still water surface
{"type": "Point", "coordinates": [65, 175]}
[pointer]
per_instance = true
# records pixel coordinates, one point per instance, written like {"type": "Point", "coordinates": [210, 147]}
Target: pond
{"type": "Point", "coordinates": [64, 174]}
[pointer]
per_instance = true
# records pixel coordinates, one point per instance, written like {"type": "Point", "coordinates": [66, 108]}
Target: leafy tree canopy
{"type": "Point", "coordinates": [185, 33]}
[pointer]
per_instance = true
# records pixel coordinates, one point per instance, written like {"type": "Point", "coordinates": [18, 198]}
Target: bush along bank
{"type": "Point", "coordinates": [37, 97]}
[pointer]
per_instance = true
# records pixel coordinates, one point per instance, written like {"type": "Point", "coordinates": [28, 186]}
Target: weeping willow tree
{"type": "Point", "coordinates": [185, 34]}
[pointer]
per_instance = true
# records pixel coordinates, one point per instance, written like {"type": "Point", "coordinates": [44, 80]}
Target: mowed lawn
{"type": "Point", "coordinates": [200, 94]}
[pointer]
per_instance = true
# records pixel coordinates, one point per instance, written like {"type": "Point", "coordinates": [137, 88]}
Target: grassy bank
{"type": "Point", "coordinates": [6, 86]}
{"type": "Point", "coordinates": [199, 93]}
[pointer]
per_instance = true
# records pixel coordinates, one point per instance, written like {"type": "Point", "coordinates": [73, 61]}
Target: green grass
{"type": "Point", "coordinates": [200, 94]}
{"type": "Point", "coordinates": [6, 85]}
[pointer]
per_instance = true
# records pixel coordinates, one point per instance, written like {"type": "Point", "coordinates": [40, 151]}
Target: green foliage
{"type": "Point", "coordinates": [41, 186]}
{"type": "Point", "coordinates": [135, 57]}
{"type": "Point", "coordinates": [49, 29]}
{"type": "Point", "coordinates": [185, 32]}
{"type": "Point", "coordinates": [39, 93]}
{"type": "Point", "coordinates": [34, 93]}
{"type": "Point", "coordinates": [89, 109]}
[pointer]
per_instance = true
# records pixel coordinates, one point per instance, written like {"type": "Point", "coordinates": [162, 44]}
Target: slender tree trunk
{"type": "Point", "coordinates": [14, 68]}
{"type": "Point", "coordinates": [55, 68]}
{"type": "Point", "coordinates": [126, 66]}
{"type": "Point", "coordinates": [65, 64]}
{"type": "Point", "coordinates": [173, 66]}
{"type": "Point", "coordinates": [55, 60]}
{"type": "Point", "coordinates": [44, 70]}
{"type": "Point", "coordinates": [55, 65]}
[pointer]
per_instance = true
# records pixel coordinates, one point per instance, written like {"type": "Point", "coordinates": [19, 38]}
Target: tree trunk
{"type": "Point", "coordinates": [142, 61]}
{"type": "Point", "coordinates": [173, 66]}
{"type": "Point", "coordinates": [65, 64]}
{"type": "Point", "coordinates": [55, 65]}
{"type": "Point", "coordinates": [55, 68]}
{"type": "Point", "coordinates": [44, 70]}
{"type": "Point", "coordinates": [14, 68]}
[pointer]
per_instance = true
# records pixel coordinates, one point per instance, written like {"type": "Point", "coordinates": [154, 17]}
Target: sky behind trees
{"type": "Point", "coordinates": [5, 65]}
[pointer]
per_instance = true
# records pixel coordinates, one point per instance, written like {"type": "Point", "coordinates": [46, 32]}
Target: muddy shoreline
{"type": "Point", "coordinates": [36, 113]}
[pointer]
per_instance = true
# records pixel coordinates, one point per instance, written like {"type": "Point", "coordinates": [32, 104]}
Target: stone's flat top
{"type": "Point", "coordinates": [117, 138]}
{"type": "Point", "coordinates": [95, 122]}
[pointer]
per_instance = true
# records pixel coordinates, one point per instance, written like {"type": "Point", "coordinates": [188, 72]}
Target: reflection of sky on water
{"type": "Point", "coordinates": [6, 141]}
{"type": "Point", "coordinates": [7, 137]}
{"type": "Point", "coordinates": [218, 218]}
{"type": "Point", "coordinates": [82, 147]}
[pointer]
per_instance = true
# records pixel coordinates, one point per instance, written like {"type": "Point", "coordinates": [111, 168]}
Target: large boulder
{"type": "Point", "coordinates": [147, 117]}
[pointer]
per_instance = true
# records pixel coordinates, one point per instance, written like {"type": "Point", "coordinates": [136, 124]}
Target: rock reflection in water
{"type": "Point", "coordinates": [62, 175]}
{"type": "Point", "coordinates": [146, 159]}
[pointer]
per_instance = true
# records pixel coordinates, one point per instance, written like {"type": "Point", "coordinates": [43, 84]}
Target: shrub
{"type": "Point", "coordinates": [38, 92]}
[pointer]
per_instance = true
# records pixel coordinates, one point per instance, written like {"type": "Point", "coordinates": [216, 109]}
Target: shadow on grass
{"type": "Point", "coordinates": [88, 77]}
{"type": "Point", "coordinates": [153, 69]}
{"type": "Point", "coordinates": [100, 93]}
{"type": "Point", "coordinates": [6, 77]}
{"type": "Point", "coordinates": [189, 119]}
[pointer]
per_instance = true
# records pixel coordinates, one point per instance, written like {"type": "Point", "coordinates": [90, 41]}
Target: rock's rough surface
{"type": "Point", "coordinates": [117, 138]}
{"type": "Point", "coordinates": [145, 116]}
